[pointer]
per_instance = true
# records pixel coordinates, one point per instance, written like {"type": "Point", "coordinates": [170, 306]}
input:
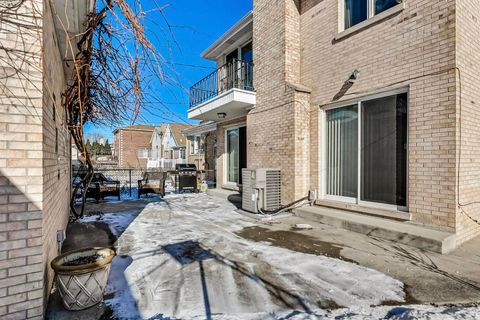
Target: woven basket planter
{"type": "Point", "coordinates": [82, 286]}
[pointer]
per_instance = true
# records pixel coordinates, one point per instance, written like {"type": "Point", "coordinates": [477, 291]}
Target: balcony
{"type": "Point", "coordinates": [225, 94]}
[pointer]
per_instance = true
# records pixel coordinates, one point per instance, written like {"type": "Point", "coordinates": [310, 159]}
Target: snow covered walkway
{"type": "Point", "coordinates": [180, 258]}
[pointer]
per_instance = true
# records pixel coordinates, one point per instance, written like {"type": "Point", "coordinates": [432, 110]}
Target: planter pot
{"type": "Point", "coordinates": [81, 279]}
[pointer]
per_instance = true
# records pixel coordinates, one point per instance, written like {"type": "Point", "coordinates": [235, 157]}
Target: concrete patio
{"type": "Point", "coordinates": [199, 257]}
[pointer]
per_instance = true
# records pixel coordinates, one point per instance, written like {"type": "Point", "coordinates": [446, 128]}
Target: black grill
{"type": "Point", "coordinates": [186, 177]}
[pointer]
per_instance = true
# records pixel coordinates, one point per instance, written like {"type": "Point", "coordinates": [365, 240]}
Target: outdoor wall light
{"type": "Point", "coordinates": [221, 115]}
{"type": "Point", "coordinates": [354, 76]}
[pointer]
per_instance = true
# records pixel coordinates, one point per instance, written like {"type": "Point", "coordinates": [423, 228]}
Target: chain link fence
{"type": "Point", "coordinates": [129, 179]}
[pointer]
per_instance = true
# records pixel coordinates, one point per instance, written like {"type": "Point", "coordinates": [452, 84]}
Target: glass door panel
{"type": "Point", "coordinates": [233, 155]}
{"type": "Point", "coordinates": [383, 153]}
{"type": "Point", "coordinates": [342, 152]}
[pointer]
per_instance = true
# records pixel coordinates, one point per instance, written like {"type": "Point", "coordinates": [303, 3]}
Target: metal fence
{"type": "Point", "coordinates": [129, 178]}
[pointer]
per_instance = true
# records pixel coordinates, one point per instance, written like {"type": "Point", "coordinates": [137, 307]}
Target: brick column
{"type": "Point", "coordinates": [278, 127]}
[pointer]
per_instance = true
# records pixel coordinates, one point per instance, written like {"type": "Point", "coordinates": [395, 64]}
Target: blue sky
{"type": "Point", "coordinates": [196, 24]}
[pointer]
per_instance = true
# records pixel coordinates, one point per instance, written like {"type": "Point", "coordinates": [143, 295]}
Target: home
{"type": "Point", "coordinates": [168, 146]}
{"type": "Point", "coordinates": [201, 149]}
{"type": "Point", "coordinates": [35, 146]}
{"type": "Point", "coordinates": [132, 145]}
{"type": "Point", "coordinates": [372, 103]}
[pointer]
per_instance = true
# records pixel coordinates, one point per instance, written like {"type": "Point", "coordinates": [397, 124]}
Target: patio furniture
{"type": "Point", "coordinates": [186, 177]}
{"type": "Point", "coordinates": [152, 182]}
{"type": "Point", "coordinates": [101, 187]}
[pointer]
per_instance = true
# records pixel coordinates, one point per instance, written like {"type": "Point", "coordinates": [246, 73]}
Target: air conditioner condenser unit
{"type": "Point", "coordinates": [261, 190]}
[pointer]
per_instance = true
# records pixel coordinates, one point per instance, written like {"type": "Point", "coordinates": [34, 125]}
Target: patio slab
{"type": "Point", "coordinates": [384, 228]}
{"type": "Point", "coordinates": [196, 257]}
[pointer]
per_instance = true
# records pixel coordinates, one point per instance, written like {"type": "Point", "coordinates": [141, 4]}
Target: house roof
{"type": "Point", "coordinates": [136, 127]}
{"type": "Point", "coordinates": [160, 129]}
{"type": "Point", "coordinates": [177, 131]}
{"type": "Point", "coordinates": [200, 129]}
{"type": "Point", "coordinates": [234, 34]}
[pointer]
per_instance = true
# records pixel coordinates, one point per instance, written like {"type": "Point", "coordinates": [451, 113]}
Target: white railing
{"type": "Point", "coordinates": [164, 163]}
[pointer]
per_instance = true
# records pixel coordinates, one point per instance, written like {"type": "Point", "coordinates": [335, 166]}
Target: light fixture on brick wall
{"type": "Point", "coordinates": [221, 115]}
{"type": "Point", "coordinates": [354, 76]}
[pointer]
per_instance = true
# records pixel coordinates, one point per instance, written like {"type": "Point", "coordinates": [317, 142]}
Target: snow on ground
{"type": "Point", "coordinates": [413, 312]}
{"type": "Point", "coordinates": [187, 262]}
{"type": "Point", "coordinates": [117, 221]}
{"type": "Point", "coordinates": [180, 258]}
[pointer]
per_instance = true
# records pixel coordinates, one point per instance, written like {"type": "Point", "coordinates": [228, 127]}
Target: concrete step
{"type": "Point", "coordinates": [398, 231]}
{"type": "Point", "coordinates": [225, 194]}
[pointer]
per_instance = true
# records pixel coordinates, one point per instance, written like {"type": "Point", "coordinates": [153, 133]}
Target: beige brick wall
{"type": "Point", "coordinates": [468, 78]}
{"type": "Point", "coordinates": [278, 127]}
{"type": "Point", "coordinates": [33, 201]}
{"type": "Point", "coordinates": [414, 48]}
{"type": "Point", "coordinates": [21, 173]}
{"type": "Point", "coordinates": [56, 148]}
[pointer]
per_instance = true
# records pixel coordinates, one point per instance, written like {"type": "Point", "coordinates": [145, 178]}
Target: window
{"type": "Point", "coordinates": [144, 153]}
{"type": "Point", "coordinates": [357, 11]}
{"type": "Point", "coordinates": [195, 145]}
{"type": "Point", "coordinates": [382, 5]}
{"type": "Point", "coordinates": [366, 151]}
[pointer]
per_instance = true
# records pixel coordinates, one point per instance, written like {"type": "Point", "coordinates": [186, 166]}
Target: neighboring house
{"type": "Point", "coordinates": [35, 147]}
{"type": "Point", "coordinates": [201, 149]}
{"type": "Point", "coordinates": [372, 103]}
{"type": "Point", "coordinates": [168, 146]}
{"type": "Point", "coordinates": [132, 146]}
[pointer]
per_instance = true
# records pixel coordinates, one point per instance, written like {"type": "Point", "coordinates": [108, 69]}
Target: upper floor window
{"type": "Point", "coordinates": [244, 53]}
{"type": "Point", "coordinates": [357, 11]}
{"type": "Point", "coordinates": [195, 145]}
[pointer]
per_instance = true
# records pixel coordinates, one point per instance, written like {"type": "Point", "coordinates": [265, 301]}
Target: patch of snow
{"type": "Point", "coordinates": [118, 222]}
{"type": "Point", "coordinates": [185, 261]}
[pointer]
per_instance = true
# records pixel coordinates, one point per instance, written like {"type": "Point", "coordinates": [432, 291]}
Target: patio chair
{"type": "Point", "coordinates": [152, 182]}
{"type": "Point", "coordinates": [101, 187]}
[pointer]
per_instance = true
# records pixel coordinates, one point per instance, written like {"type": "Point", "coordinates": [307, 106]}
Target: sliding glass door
{"type": "Point", "coordinates": [384, 150]}
{"type": "Point", "coordinates": [236, 154]}
{"type": "Point", "coordinates": [375, 172]}
{"type": "Point", "coordinates": [342, 138]}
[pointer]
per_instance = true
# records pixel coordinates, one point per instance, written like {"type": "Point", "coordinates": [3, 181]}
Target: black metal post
{"type": "Point", "coordinates": [130, 178]}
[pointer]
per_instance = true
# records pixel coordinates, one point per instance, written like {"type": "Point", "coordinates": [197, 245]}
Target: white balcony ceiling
{"type": "Point", "coordinates": [234, 103]}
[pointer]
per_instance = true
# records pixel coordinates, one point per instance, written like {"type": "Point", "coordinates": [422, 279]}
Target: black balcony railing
{"type": "Point", "coordinates": [234, 74]}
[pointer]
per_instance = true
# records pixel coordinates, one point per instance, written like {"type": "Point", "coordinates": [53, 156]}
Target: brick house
{"type": "Point", "coordinates": [201, 149]}
{"type": "Point", "coordinates": [369, 102]}
{"type": "Point", "coordinates": [145, 146]}
{"type": "Point", "coordinates": [35, 148]}
{"type": "Point", "coordinates": [132, 145]}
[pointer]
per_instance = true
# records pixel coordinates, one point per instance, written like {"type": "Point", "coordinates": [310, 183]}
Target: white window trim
{"type": "Point", "coordinates": [193, 151]}
{"type": "Point", "coordinates": [371, 19]}
{"type": "Point", "coordinates": [323, 156]}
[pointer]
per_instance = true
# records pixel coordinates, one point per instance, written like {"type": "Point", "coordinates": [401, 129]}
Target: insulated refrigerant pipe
{"type": "Point", "coordinates": [284, 208]}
